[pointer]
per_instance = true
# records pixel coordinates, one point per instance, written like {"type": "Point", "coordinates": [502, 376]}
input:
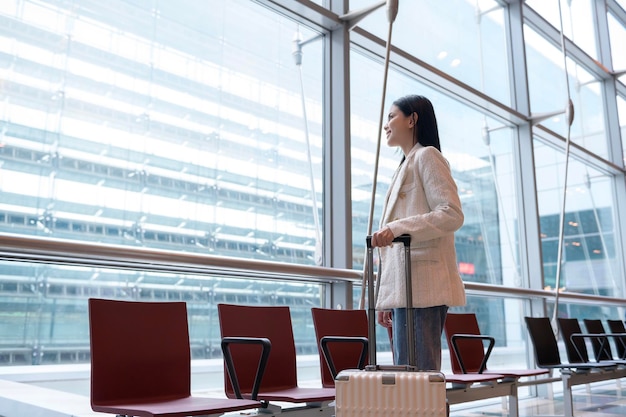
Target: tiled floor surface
{"type": "Point", "coordinates": [606, 399]}
{"type": "Point", "coordinates": [597, 400]}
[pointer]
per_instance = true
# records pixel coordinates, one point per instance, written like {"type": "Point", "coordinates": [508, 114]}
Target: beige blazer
{"type": "Point", "coordinates": [422, 201]}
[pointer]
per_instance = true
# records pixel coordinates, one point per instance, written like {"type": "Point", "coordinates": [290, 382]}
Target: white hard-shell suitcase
{"type": "Point", "coordinates": [388, 390]}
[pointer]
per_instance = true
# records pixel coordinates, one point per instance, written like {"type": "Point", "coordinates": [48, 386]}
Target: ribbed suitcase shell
{"type": "Point", "coordinates": [390, 394]}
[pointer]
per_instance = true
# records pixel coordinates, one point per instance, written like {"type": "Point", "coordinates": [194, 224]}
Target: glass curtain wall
{"type": "Point", "coordinates": [203, 128]}
{"type": "Point", "coordinates": [161, 125]}
{"type": "Point", "coordinates": [154, 124]}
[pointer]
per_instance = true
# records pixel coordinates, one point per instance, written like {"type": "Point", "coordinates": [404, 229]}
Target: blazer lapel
{"type": "Point", "coordinates": [396, 183]}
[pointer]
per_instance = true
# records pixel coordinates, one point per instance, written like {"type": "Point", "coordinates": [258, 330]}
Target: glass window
{"type": "Point", "coordinates": [549, 87]}
{"type": "Point", "coordinates": [463, 38]}
{"type": "Point", "coordinates": [590, 257]}
{"type": "Point", "coordinates": [43, 309]}
{"type": "Point", "coordinates": [577, 20]}
{"type": "Point", "coordinates": [178, 127]}
{"type": "Point", "coordinates": [617, 33]}
{"type": "Point", "coordinates": [588, 311]}
{"type": "Point", "coordinates": [621, 109]}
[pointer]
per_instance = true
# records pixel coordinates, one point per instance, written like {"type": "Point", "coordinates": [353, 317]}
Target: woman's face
{"type": "Point", "coordinates": [399, 128]}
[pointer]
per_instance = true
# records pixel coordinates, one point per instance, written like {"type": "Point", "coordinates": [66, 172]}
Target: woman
{"type": "Point", "coordinates": [423, 202]}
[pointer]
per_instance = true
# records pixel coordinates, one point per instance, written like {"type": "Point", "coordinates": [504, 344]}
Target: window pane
{"type": "Point", "coordinates": [621, 109]}
{"type": "Point", "coordinates": [588, 311]}
{"type": "Point", "coordinates": [43, 308]}
{"type": "Point", "coordinates": [172, 127]}
{"type": "Point", "coordinates": [577, 20]}
{"type": "Point", "coordinates": [470, 39]}
{"type": "Point", "coordinates": [617, 32]}
{"type": "Point", "coordinates": [549, 93]}
{"type": "Point", "coordinates": [590, 257]}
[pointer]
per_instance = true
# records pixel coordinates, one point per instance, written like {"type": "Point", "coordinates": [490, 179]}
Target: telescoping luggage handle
{"type": "Point", "coordinates": [405, 239]}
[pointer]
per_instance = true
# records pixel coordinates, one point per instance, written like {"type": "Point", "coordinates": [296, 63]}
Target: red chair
{"type": "Point", "coordinates": [333, 328]}
{"type": "Point", "coordinates": [140, 362]}
{"type": "Point", "coordinates": [239, 324]}
{"type": "Point", "coordinates": [341, 326]}
{"type": "Point", "coordinates": [467, 349]}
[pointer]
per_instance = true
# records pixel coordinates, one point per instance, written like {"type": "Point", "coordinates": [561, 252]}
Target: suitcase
{"type": "Point", "coordinates": [389, 390]}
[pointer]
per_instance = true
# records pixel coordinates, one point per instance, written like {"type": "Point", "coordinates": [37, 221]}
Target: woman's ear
{"type": "Point", "coordinates": [414, 118]}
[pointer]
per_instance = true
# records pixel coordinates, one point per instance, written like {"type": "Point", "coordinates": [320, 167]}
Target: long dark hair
{"type": "Point", "coordinates": [426, 132]}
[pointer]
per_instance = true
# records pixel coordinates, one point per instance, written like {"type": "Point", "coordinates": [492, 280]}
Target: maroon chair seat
{"type": "Point", "coordinates": [467, 348]}
{"type": "Point", "coordinates": [279, 381]}
{"type": "Point", "coordinates": [141, 363]}
{"type": "Point", "coordinates": [349, 351]}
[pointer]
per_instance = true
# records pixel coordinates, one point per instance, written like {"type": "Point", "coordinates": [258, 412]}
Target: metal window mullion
{"type": "Point", "coordinates": [608, 85]}
{"type": "Point", "coordinates": [337, 164]}
{"type": "Point", "coordinates": [531, 263]}
{"type": "Point", "coordinates": [616, 10]}
{"type": "Point", "coordinates": [613, 133]}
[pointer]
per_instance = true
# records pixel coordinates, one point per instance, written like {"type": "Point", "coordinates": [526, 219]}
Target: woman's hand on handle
{"type": "Point", "coordinates": [383, 237]}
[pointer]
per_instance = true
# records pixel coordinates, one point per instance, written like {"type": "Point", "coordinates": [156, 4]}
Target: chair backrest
{"type": "Point", "coordinates": [544, 342]}
{"type": "Point", "coordinates": [576, 349]}
{"type": "Point", "coordinates": [601, 346]}
{"type": "Point", "coordinates": [139, 351]}
{"type": "Point", "coordinates": [617, 326]}
{"type": "Point", "coordinates": [471, 351]}
{"type": "Point", "coordinates": [271, 322]}
{"type": "Point", "coordinates": [344, 323]}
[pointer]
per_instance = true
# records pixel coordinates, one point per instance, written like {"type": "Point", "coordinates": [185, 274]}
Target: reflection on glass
{"type": "Point", "coordinates": [549, 92]}
{"type": "Point", "coordinates": [170, 127]}
{"type": "Point", "coordinates": [577, 20]}
{"type": "Point", "coordinates": [47, 322]}
{"type": "Point", "coordinates": [546, 79]}
{"type": "Point", "coordinates": [621, 109]}
{"type": "Point", "coordinates": [588, 129]}
{"type": "Point", "coordinates": [617, 32]}
{"type": "Point", "coordinates": [463, 38]}
{"type": "Point", "coordinates": [588, 311]}
{"type": "Point", "coordinates": [589, 258]}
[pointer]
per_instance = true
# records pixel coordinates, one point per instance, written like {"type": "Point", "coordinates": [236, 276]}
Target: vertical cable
{"type": "Point", "coordinates": [570, 119]}
{"type": "Point", "coordinates": [392, 10]}
{"type": "Point", "coordinates": [297, 54]}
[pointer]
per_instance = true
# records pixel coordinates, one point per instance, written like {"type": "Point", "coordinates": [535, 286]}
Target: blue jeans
{"type": "Point", "coordinates": [428, 323]}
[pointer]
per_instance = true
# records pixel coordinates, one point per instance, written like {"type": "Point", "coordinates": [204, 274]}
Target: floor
{"type": "Point", "coordinates": [607, 399]}
{"type": "Point", "coordinates": [600, 399]}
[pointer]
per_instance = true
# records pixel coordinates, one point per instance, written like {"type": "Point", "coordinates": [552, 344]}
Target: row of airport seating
{"type": "Point", "coordinates": [140, 360]}
{"type": "Point", "coordinates": [578, 369]}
